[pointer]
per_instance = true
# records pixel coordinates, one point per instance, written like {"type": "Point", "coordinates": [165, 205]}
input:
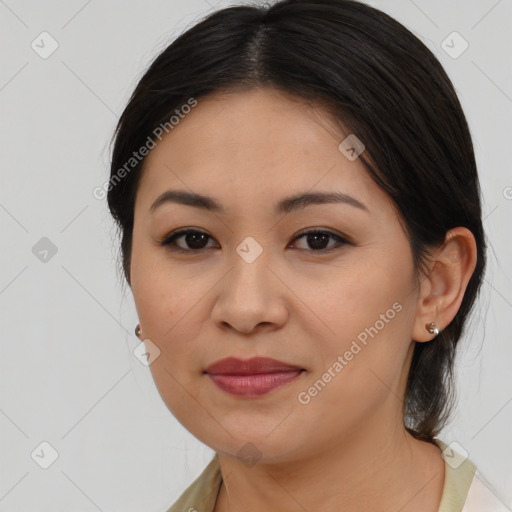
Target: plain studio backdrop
{"type": "Point", "coordinates": [83, 427]}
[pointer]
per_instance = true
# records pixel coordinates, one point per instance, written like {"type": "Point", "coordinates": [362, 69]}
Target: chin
{"type": "Point", "coordinates": [254, 447]}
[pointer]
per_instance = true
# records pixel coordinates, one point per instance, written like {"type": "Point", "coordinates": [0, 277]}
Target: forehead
{"type": "Point", "coordinates": [264, 118]}
{"type": "Point", "coordinates": [255, 145]}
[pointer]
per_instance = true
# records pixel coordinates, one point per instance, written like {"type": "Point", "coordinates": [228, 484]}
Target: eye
{"type": "Point", "coordinates": [194, 240]}
{"type": "Point", "coordinates": [317, 239]}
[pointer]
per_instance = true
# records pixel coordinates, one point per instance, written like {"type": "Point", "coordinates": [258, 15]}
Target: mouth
{"type": "Point", "coordinates": [253, 377]}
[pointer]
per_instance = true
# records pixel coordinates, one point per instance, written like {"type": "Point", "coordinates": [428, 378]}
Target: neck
{"type": "Point", "coordinates": [363, 471]}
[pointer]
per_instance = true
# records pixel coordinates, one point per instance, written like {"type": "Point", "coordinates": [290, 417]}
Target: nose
{"type": "Point", "coordinates": [251, 298]}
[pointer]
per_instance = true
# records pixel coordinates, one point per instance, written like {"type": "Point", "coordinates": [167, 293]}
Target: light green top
{"type": "Point", "coordinates": [201, 495]}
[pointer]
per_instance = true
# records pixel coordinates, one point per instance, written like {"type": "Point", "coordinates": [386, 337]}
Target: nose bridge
{"type": "Point", "coordinates": [249, 295]}
{"type": "Point", "coordinates": [250, 250]}
{"type": "Point", "coordinates": [250, 265]}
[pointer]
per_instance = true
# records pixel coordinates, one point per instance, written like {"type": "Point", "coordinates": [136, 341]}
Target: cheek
{"type": "Point", "coordinates": [361, 371]}
{"type": "Point", "coordinates": [155, 289]}
{"type": "Point", "coordinates": [359, 300]}
{"type": "Point", "coordinates": [167, 303]}
{"type": "Point", "coordinates": [370, 312]}
{"type": "Point", "coordinates": [166, 309]}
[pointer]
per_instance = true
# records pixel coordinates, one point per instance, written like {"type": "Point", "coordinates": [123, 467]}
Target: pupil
{"type": "Point", "coordinates": [316, 236]}
{"type": "Point", "coordinates": [191, 236]}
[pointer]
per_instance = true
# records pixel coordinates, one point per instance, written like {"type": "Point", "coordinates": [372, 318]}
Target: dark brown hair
{"type": "Point", "coordinates": [383, 85]}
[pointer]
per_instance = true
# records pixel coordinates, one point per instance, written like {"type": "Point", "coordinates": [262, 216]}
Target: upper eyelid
{"type": "Point", "coordinates": [305, 231]}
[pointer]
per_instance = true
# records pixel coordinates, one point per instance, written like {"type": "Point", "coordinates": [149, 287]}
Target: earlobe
{"type": "Point", "coordinates": [442, 290]}
{"type": "Point", "coordinates": [432, 328]}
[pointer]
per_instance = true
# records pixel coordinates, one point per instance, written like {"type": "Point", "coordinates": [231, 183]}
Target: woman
{"type": "Point", "coordinates": [300, 219]}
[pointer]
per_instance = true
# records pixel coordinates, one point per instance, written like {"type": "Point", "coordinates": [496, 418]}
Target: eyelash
{"type": "Point", "coordinates": [169, 240]}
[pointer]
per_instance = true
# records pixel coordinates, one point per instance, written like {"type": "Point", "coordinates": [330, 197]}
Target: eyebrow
{"type": "Point", "coordinates": [286, 205]}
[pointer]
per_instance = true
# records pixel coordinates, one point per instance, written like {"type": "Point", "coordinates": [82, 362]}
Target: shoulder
{"type": "Point", "coordinates": [202, 493]}
{"type": "Point", "coordinates": [482, 496]}
{"type": "Point", "coordinates": [465, 488]}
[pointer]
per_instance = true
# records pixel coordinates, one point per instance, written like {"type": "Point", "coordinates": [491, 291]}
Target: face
{"type": "Point", "coordinates": [325, 287]}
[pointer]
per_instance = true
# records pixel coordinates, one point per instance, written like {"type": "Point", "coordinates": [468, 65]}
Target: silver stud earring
{"type": "Point", "coordinates": [432, 328]}
{"type": "Point", "coordinates": [138, 331]}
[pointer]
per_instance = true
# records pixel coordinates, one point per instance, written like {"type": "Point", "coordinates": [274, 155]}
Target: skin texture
{"type": "Point", "coordinates": [348, 445]}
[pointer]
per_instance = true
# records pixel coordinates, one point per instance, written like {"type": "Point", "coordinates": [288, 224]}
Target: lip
{"type": "Point", "coordinates": [252, 377]}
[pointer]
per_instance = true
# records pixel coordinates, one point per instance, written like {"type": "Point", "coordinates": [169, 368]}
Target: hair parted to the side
{"type": "Point", "coordinates": [383, 85]}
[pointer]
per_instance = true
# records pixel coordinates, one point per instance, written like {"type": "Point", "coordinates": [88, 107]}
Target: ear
{"type": "Point", "coordinates": [442, 289]}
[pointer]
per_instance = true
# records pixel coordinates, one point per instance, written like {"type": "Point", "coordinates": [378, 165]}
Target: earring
{"type": "Point", "coordinates": [432, 328]}
{"type": "Point", "coordinates": [137, 331]}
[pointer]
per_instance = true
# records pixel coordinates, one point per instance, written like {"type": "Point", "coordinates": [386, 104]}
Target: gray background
{"type": "Point", "coordinates": [67, 372]}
